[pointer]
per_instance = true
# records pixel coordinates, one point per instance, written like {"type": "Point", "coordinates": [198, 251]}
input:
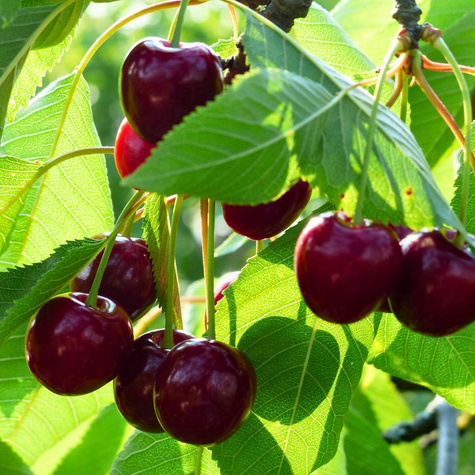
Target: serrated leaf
{"type": "Point", "coordinates": [72, 200]}
{"type": "Point", "coordinates": [225, 48]}
{"type": "Point", "coordinates": [10, 463]}
{"type": "Point", "coordinates": [158, 453]}
{"type": "Point", "coordinates": [37, 63]}
{"type": "Point", "coordinates": [307, 369]}
{"type": "Point", "coordinates": [33, 419]}
{"type": "Point", "coordinates": [377, 406]}
{"type": "Point", "coordinates": [258, 148]}
{"type": "Point", "coordinates": [446, 365]}
{"type": "Point", "coordinates": [24, 289]}
{"type": "Point", "coordinates": [156, 231]}
{"type": "Point", "coordinates": [8, 11]}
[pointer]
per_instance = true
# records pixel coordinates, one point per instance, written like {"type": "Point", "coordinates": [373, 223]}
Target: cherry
{"type": "Point", "coordinates": [435, 294]}
{"type": "Point", "coordinates": [346, 271]}
{"type": "Point", "coordinates": [204, 390]}
{"type": "Point", "coordinates": [159, 85]}
{"type": "Point", "coordinates": [130, 150]}
{"type": "Point", "coordinates": [133, 387]}
{"type": "Point", "coordinates": [128, 278]}
{"type": "Point", "coordinates": [72, 348]}
{"type": "Point", "coordinates": [268, 219]}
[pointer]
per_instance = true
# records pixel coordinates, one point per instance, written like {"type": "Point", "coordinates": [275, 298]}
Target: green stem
{"type": "Point", "coordinates": [50, 164]}
{"type": "Point", "coordinates": [199, 454]}
{"type": "Point", "coordinates": [404, 98]}
{"type": "Point", "coordinates": [210, 270]}
{"type": "Point", "coordinates": [440, 44]}
{"type": "Point", "coordinates": [32, 39]}
{"type": "Point", "coordinates": [126, 213]}
{"type": "Point", "coordinates": [129, 224]}
{"type": "Point", "coordinates": [396, 46]}
{"type": "Point", "coordinates": [259, 245]}
{"type": "Point", "coordinates": [97, 44]}
{"type": "Point", "coordinates": [175, 42]}
{"type": "Point", "coordinates": [168, 335]}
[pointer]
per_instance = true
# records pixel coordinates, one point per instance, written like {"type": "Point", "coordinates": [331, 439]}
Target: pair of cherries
{"type": "Point", "coordinates": [347, 271]}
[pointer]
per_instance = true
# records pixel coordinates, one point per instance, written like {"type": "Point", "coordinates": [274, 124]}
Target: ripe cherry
{"type": "Point", "coordinates": [72, 348]}
{"type": "Point", "coordinates": [435, 294]}
{"type": "Point", "coordinates": [346, 271]}
{"type": "Point", "coordinates": [130, 150]}
{"type": "Point", "coordinates": [159, 85]}
{"type": "Point", "coordinates": [128, 278]}
{"type": "Point", "coordinates": [133, 387]}
{"type": "Point", "coordinates": [204, 391]}
{"type": "Point", "coordinates": [268, 219]}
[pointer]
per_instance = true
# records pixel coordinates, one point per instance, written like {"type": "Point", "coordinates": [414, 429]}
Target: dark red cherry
{"type": "Point", "coordinates": [268, 219]}
{"type": "Point", "coordinates": [346, 271]}
{"type": "Point", "coordinates": [221, 286]}
{"type": "Point", "coordinates": [133, 387]}
{"type": "Point", "coordinates": [159, 85]}
{"type": "Point", "coordinates": [128, 278]}
{"type": "Point", "coordinates": [130, 150]}
{"type": "Point", "coordinates": [435, 294]}
{"type": "Point", "coordinates": [204, 391]}
{"type": "Point", "coordinates": [72, 348]}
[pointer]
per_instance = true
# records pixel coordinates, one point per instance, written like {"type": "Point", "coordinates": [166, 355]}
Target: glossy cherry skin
{"type": "Point", "coordinates": [268, 219]}
{"type": "Point", "coordinates": [130, 149]}
{"type": "Point", "coordinates": [435, 294]}
{"type": "Point", "coordinates": [346, 271]}
{"type": "Point", "coordinates": [74, 349]}
{"type": "Point", "coordinates": [128, 278]}
{"type": "Point", "coordinates": [133, 387]}
{"type": "Point", "coordinates": [159, 85]}
{"type": "Point", "coordinates": [204, 390]}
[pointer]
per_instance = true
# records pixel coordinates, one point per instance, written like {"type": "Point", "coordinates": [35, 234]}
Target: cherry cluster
{"type": "Point", "coordinates": [199, 391]}
{"type": "Point", "coordinates": [346, 271]}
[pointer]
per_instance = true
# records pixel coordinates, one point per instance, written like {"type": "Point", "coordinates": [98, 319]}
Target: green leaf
{"type": "Point", "coordinates": [14, 174]}
{"type": "Point", "coordinates": [158, 453]}
{"type": "Point", "coordinates": [279, 128]}
{"type": "Point", "coordinates": [60, 27]}
{"type": "Point", "coordinates": [37, 63]}
{"type": "Point", "coordinates": [10, 463]}
{"type": "Point", "coordinates": [377, 406]}
{"type": "Point", "coordinates": [225, 48]}
{"type": "Point", "coordinates": [446, 365]}
{"type": "Point", "coordinates": [72, 200]}
{"type": "Point", "coordinates": [156, 231]}
{"type": "Point", "coordinates": [32, 419]}
{"type": "Point", "coordinates": [24, 289]}
{"type": "Point", "coordinates": [8, 11]}
{"type": "Point", "coordinates": [307, 369]}
{"type": "Point", "coordinates": [232, 243]}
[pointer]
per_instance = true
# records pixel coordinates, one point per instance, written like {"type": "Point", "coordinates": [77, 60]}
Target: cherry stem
{"type": "Point", "coordinates": [436, 102]}
{"type": "Point", "coordinates": [234, 19]}
{"type": "Point", "coordinates": [128, 211]}
{"type": "Point", "coordinates": [129, 224]}
{"type": "Point", "coordinates": [440, 45]}
{"type": "Point", "coordinates": [97, 44]}
{"type": "Point", "coordinates": [209, 282]}
{"type": "Point", "coordinates": [396, 46]}
{"type": "Point", "coordinates": [397, 90]}
{"type": "Point", "coordinates": [443, 67]}
{"type": "Point", "coordinates": [398, 66]}
{"type": "Point", "coordinates": [50, 164]}
{"type": "Point", "coordinates": [404, 98]}
{"type": "Point", "coordinates": [204, 235]}
{"type": "Point", "coordinates": [168, 335]}
{"type": "Point", "coordinates": [199, 454]}
{"type": "Point", "coordinates": [28, 44]}
{"type": "Point", "coordinates": [175, 41]}
{"type": "Point", "coordinates": [259, 245]}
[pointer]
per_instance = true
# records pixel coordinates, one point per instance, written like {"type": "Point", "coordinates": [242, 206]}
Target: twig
{"type": "Point", "coordinates": [447, 447]}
